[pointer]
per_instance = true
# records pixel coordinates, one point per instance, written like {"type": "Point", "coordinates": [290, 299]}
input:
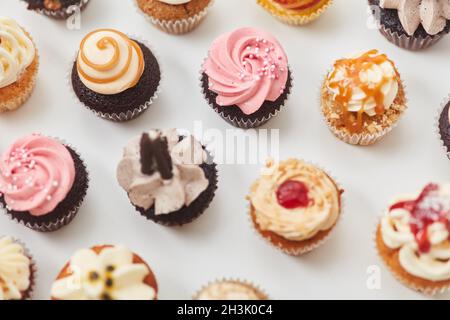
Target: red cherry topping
{"type": "Point", "coordinates": [293, 194]}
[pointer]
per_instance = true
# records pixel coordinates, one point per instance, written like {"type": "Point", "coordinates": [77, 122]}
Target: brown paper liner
{"type": "Point", "coordinates": [409, 42]}
{"type": "Point", "coordinates": [390, 258]}
{"type": "Point", "coordinates": [262, 295]}
{"type": "Point", "coordinates": [64, 13]}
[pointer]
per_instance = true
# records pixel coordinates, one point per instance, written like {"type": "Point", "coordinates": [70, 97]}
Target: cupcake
{"type": "Point", "coordinates": [114, 76]}
{"type": "Point", "coordinates": [57, 9]}
{"type": "Point", "coordinates": [105, 273]}
{"type": "Point", "coordinates": [295, 205]}
{"type": "Point", "coordinates": [412, 25]}
{"type": "Point", "coordinates": [17, 270]}
{"type": "Point", "coordinates": [246, 77]}
{"type": "Point", "coordinates": [230, 290]}
{"type": "Point", "coordinates": [19, 64]}
{"type": "Point", "coordinates": [174, 16]}
{"type": "Point", "coordinates": [363, 98]}
{"type": "Point", "coordinates": [413, 239]}
{"type": "Point", "coordinates": [42, 182]}
{"type": "Point", "coordinates": [169, 178]}
{"type": "Point", "coordinates": [295, 12]}
{"type": "Point", "coordinates": [444, 126]}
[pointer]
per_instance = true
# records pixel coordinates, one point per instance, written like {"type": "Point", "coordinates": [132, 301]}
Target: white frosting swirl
{"type": "Point", "coordinates": [396, 234]}
{"type": "Point", "coordinates": [17, 51]}
{"type": "Point", "coordinates": [175, 2]}
{"type": "Point", "coordinates": [229, 290]}
{"type": "Point", "coordinates": [14, 270]}
{"type": "Point", "coordinates": [110, 274]}
{"type": "Point", "coordinates": [301, 223]}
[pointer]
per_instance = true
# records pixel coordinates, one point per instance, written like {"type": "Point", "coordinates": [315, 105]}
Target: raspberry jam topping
{"type": "Point", "coordinates": [429, 208]}
{"type": "Point", "coordinates": [293, 194]}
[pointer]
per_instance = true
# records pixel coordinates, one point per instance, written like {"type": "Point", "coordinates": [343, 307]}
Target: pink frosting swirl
{"type": "Point", "coordinates": [246, 68]}
{"type": "Point", "coordinates": [36, 174]}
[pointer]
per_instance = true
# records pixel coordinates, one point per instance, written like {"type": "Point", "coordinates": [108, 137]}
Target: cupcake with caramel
{"type": "Point", "coordinates": [19, 63]}
{"type": "Point", "coordinates": [413, 238]}
{"type": "Point", "coordinates": [363, 98]}
{"type": "Point", "coordinates": [116, 77]}
{"type": "Point", "coordinates": [105, 273]}
{"type": "Point", "coordinates": [57, 9]}
{"type": "Point", "coordinates": [295, 205]}
{"type": "Point", "coordinates": [295, 12]}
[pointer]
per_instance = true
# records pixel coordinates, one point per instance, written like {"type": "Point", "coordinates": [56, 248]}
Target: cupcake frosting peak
{"type": "Point", "coordinates": [36, 174]}
{"type": "Point", "coordinates": [109, 62]}
{"type": "Point", "coordinates": [432, 14]}
{"type": "Point", "coordinates": [245, 68]}
{"type": "Point", "coordinates": [419, 227]}
{"type": "Point", "coordinates": [17, 51]}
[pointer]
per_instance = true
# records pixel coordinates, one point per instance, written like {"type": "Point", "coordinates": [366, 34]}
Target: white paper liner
{"type": "Point", "coordinates": [61, 15]}
{"type": "Point", "coordinates": [177, 27]}
{"type": "Point", "coordinates": [356, 138]}
{"type": "Point", "coordinates": [317, 244]}
{"type": "Point", "coordinates": [61, 222]}
{"type": "Point", "coordinates": [436, 126]}
{"type": "Point", "coordinates": [123, 116]}
{"type": "Point", "coordinates": [242, 123]}
{"type": "Point", "coordinates": [257, 288]}
{"type": "Point", "coordinates": [426, 291]}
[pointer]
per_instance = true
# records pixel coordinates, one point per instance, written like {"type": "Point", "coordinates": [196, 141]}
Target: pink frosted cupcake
{"type": "Point", "coordinates": [246, 77]}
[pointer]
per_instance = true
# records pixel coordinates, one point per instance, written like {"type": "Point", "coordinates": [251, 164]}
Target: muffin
{"type": "Point", "coordinates": [42, 182]}
{"type": "Point", "coordinates": [363, 98]}
{"type": "Point", "coordinates": [57, 9]}
{"type": "Point", "coordinates": [412, 25]}
{"type": "Point", "coordinates": [230, 290]}
{"type": "Point", "coordinates": [169, 178]}
{"type": "Point", "coordinates": [294, 205]}
{"type": "Point", "coordinates": [19, 64]}
{"type": "Point", "coordinates": [295, 12]}
{"type": "Point", "coordinates": [105, 273]}
{"type": "Point", "coordinates": [413, 239]}
{"type": "Point", "coordinates": [17, 270]}
{"type": "Point", "coordinates": [443, 126]}
{"type": "Point", "coordinates": [246, 77]}
{"type": "Point", "coordinates": [174, 16]}
{"type": "Point", "coordinates": [114, 76]}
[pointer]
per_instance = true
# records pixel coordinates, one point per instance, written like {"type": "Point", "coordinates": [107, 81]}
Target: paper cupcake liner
{"type": "Point", "coordinates": [60, 222]}
{"type": "Point", "coordinates": [305, 249]}
{"type": "Point", "coordinates": [62, 14]}
{"type": "Point", "coordinates": [436, 126]}
{"type": "Point", "coordinates": [421, 289]}
{"type": "Point", "coordinates": [294, 20]}
{"type": "Point", "coordinates": [243, 123]}
{"type": "Point", "coordinates": [358, 138]}
{"type": "Point", "coordinates": [258, 289]}
{"type": "Point", "coordinates": [122, 116]}
{"type": "Point", "coordinates": [177, 27]}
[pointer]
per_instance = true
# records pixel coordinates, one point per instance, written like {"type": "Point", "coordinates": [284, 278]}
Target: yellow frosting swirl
{"type": "Point", "coordinates": [109, 62]}
{"type": "Point", "coordinates": [301, 223]}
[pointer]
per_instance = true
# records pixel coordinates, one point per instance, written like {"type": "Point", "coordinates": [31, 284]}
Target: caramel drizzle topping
{"type": "Point", "coordinates": [102, 44]}
{"type": "Point", "coordinates": [345, 87]}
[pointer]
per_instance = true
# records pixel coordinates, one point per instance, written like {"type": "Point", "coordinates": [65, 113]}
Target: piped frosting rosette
{"type": "Point", "coordinates": [295, 205]}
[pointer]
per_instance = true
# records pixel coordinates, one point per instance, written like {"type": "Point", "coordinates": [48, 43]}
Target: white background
{"type": "Point", "coordinates": [221, 243]}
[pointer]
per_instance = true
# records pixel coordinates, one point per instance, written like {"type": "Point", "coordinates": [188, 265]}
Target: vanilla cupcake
{"type": "Point", "coordinates": [295, 205]}
{"type": "Point", "coordinates": [19, 63]}
{"type": "Point", "coordinates": [413, 239]}
{"type": "Point", "coordinates": [363, 98]}
{"type": "Point", "coordinates": [230, 290]}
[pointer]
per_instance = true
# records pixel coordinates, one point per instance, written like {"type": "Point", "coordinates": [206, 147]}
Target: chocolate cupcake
{"type": "Point", "coordinates": [105, 273]}
{"type": "Point", "coordinates": [412, 24]}
{"type": "Point", "coordinates": [17, 270]}
{"type": "Point", "coordinates": [223, 290]}
{"type": "Point", "coordinates": [174, 16]}
{"type": "Point", "coordinates": [444, 126]}
{"type": "Point", "coordinates": [413, 239]}
{"type": "Point", "coordinates": [57, 9]}
{"type": "Point", "coordinates": [42, 182]}
{"type": "Point", "coordinates": [295, 206]}
{"type": "Point", "coordinates": [19, 64]}
{"type": "Point", "coordinates": [170, 179]}
{"type": "Point", "coordinates": [246, 77]}
{"type": "Point", "coordinates": [114, 76]}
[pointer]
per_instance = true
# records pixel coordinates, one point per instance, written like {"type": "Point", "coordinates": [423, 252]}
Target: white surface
{"type": "Point", "coordinates": [222, 243]}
